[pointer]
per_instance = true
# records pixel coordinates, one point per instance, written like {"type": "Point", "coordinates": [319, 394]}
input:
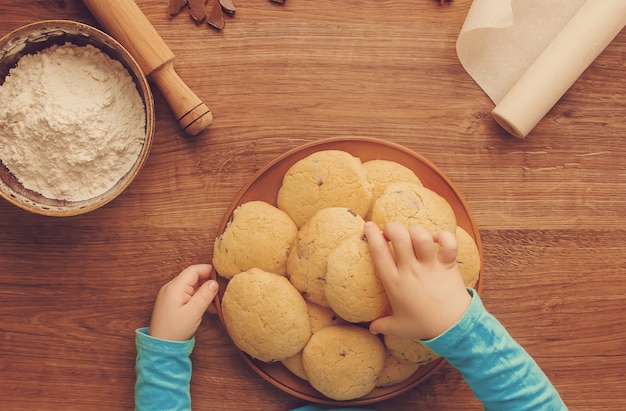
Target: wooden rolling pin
{"type": "Point", "coordinates": [125, 21]}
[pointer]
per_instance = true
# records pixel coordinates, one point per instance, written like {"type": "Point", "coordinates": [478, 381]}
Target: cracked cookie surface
{"type": "Point", "coordinates": [259, 235]}
{"type": "Point", "coordinates": [328, 178]}
{"type": "Point", "coordinates": [307, 263]}
{"type": "Point", "coordinates": [344, 361]}
{"type": "Point", "coordinates": [265, 316]}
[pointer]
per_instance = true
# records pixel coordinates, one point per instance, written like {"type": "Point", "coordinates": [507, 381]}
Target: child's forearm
{"type": "Point", "coordinates": [500, 372]}
{"type": "Point", "coordinates": [163, 373]}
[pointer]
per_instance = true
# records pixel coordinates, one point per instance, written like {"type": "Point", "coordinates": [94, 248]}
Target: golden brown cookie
{"type": "Point", "coordinates": [468, 258]}
{"type": "Point", "coordinates": [306, 265]}
{"type": "Point", "coordinates": [406, 349]}
{"type": "Point", "coordinates": [395, 371]}
{"type": "Point", "coordinates": [327, 178]}
{"type": "Point", "coordinates": [381, 173]}
{"type": "Point", "coordinates": [343, 362]}
{"type": "Point", "coordinates": [412, 204]}
{"type": "Point", "coordinates": [320, 317]}
{"type": "Point", "coordinates": [294, 364]}
{"type": "Point", "coordinates": [265, 316]}
{"type": "Point", "coordinates": [353, 289]}
{"type": "Point", "coordinates": [259, 235]}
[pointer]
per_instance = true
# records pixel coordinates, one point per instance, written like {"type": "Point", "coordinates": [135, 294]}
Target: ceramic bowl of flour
{"type": "Point", "coordinates": [76, 118]}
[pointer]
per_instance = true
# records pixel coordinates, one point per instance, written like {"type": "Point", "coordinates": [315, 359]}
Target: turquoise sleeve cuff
{"type": "Point", "coordinates": [499, 371]}
{"type": "Point", "coordinates": [146, 342]}
{"type": "Point", "coordinates": [163, 373]}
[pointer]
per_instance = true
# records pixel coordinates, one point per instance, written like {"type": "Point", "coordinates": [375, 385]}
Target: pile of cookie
{"type": "Point", "coordinates": [302, 285]}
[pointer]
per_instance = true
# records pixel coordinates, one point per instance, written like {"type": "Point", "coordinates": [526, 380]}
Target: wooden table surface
{"type": "Point", "coordinates": [550, 208]}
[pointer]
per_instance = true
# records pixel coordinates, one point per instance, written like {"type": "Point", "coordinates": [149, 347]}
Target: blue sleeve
{"type": "Point", "coordinates": [499, 371]}
{"type": "Point", "coordinates": [163, 373]}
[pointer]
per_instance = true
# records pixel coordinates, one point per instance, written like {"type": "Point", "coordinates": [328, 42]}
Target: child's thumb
{"type": "Point", "coordinates": [203, 297]}
{"type": "Point", "coordinates": [383, 325]}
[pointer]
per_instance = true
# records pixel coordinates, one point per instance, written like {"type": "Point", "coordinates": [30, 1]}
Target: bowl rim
{"type": "Point", "coordinates": [268, 371]}
{"type": "Point", "coordinates": [71, 208]}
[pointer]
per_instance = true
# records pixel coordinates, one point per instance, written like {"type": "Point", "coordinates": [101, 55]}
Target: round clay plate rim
{"type": "Point", "coordinates": [264, 186]}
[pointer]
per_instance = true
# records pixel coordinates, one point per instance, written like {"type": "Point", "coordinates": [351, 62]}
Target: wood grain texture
{"type": "Point", "coordinates": [550, 208]}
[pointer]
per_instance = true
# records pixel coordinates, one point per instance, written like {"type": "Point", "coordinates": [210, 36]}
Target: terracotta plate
{"type": "Point", "coordinates": [265, 185]}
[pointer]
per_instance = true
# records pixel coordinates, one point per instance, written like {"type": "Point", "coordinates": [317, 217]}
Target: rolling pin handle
{"type": "Point", "coordinates": [196, 120]}
{"type": "Point", "coordinates": [192, 114]}
{"type": "Point", "coordinates": [125, 21]}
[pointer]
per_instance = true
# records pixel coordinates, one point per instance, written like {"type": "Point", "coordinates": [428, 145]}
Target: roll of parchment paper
{"type": "Point", "coordinates": [525, 54]}
{"type": "Point", "coordinates": [586, 35]}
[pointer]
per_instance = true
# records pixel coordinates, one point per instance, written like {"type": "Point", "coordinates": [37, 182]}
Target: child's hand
{"type": "Point", "coordinates": [422, 281]}
{"type": "Point", "coordinates": [181, 303]}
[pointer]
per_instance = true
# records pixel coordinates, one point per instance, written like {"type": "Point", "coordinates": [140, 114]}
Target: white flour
{"type": "Point", "coordinates": [72, 122]}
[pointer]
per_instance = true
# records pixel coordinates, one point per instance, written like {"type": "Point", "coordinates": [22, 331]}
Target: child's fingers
{"type": "Point", "coordinates": [381, 254]}
{"type": "Point", "coordinates": [423, 243]}
{"type": "Point", "coordinates": [194, 274]}
{"type": "Point", "coordinates": [401, 242]}
{"type": "Point", "coordinates": [448, 246]}
{"type": "Point", "coordinates": [383, 325]}
{"type": "Point", "coordinates": [203, 297]}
